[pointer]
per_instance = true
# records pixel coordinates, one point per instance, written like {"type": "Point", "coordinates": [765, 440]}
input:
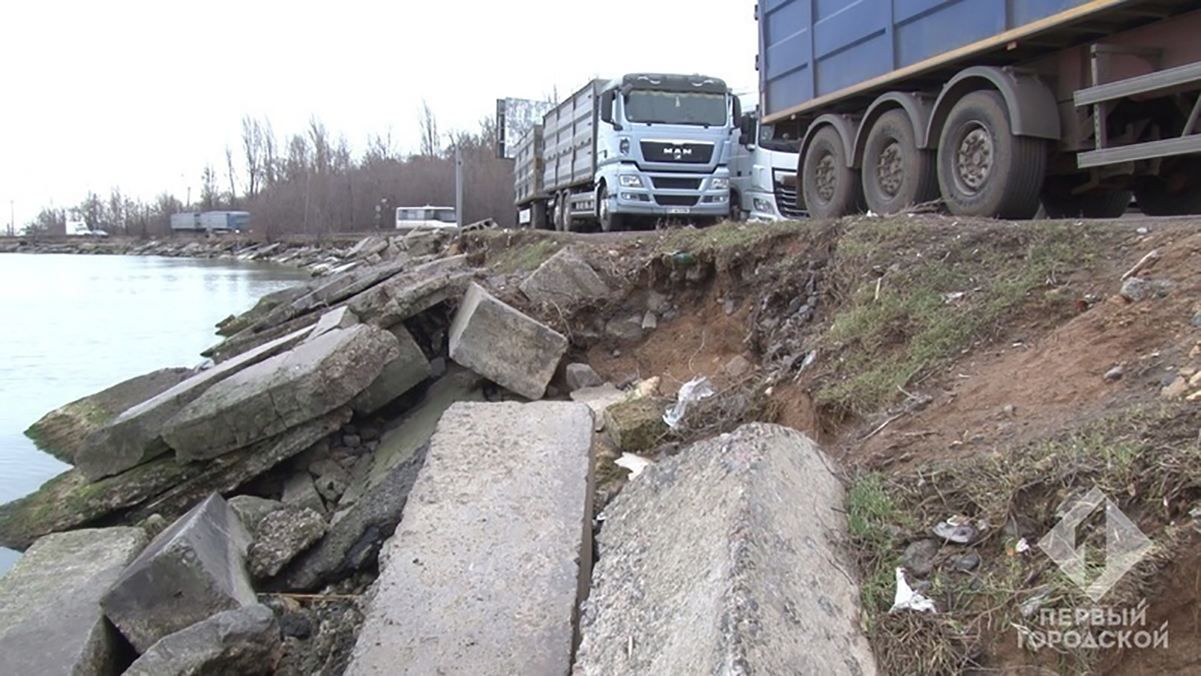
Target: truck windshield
{"type": "Point", "coordinates": [782, 142]}
{"type": "Point", "coordinates": [676, 108]}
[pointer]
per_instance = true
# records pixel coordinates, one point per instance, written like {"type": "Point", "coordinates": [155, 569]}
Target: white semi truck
{"type": "Point", "coordinates": [637, 150]}
{"type": "Point", "coordinates": [763, 185]}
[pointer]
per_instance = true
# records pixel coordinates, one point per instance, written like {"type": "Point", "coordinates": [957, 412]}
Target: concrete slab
{"type": "Point", "coordinates": [726, 558]}
{"type": "Point", "coordinates": [269, 398]}
{"type": "Point", "coordinates": [400, 375]}
{"type": "Point", "coordinates": [485, 569]}
{"type": "Point", "coordinates": [500, 343]}
{"type": "Point", "coordinates": [50, 619]}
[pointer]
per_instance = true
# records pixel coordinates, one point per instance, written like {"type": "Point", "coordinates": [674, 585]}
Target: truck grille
{"type": "Point", "coordinates": [788, 200]}
{"type": "Point", "coordinates": [680, 153]}
{"type": "Point", "coordinates": [673, 183]}
{"type": "Point", "coordinates": [676, 200]}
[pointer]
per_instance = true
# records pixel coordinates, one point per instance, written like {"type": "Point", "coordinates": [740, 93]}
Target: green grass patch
{"type": "Point", "coordinates": [525, 256]}
{"type": "Point", "coordinates": [726, 236]}
{"type": "Point", "coordinates": [915, 295]}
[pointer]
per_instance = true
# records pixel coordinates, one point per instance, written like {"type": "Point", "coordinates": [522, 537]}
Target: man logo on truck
{"type": "Point", "coordinates": [679, 152]}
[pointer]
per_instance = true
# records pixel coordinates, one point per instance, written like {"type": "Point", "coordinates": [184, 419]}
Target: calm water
{"type": "Point", "coordinates": [73, 325]}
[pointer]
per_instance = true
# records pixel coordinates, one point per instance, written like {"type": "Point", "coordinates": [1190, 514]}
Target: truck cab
{"type": "Point", "coordinates": [662, 149]}
{"type": "Point", "coordinates": [763, 172]}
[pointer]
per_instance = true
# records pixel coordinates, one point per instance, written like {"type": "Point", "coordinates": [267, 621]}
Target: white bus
{"type": "Point", "coordinates": [416, 218]}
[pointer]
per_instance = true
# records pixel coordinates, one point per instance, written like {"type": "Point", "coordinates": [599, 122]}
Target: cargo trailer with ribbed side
{"type": "Point", "coordinates": [637, 150]}
{"type": "Point", "coordinates": [991, 106]}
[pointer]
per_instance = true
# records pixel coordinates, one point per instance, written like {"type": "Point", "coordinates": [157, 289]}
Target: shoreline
{"type": "Point", "coordinates": [319, 256]}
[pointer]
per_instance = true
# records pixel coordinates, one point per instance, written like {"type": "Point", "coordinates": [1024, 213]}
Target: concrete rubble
{"type": "Point", "coordinates": [191, 571]}
{"type": "Point", "coordinates": [50, 618]}
{"type": "Point", "coordinates": [565, 280]}
{"type": "Point", "coordinates": [723, 555]}
{"type": "Point", "coordinates": [240, 641]}
{"type": "Point", "coordinates": [506, 484]}
{"type": "Point", "coordinates": [500, 343]}
{"type": "Point", "coordinates": [369, 431]}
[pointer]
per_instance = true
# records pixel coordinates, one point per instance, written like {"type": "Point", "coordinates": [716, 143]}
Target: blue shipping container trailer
{"type": "Point", "coordinates": [992, 106]}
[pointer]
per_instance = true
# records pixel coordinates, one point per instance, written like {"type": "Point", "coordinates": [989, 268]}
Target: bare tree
{"type": "Point", "coordinates": [208, 188]}
{"type": "Point", "coordinates": [252, 150]}
{"type": "Point", "coordinates": [322, 152]}
{"type": "Point", "coordinates": [431, 140]}
{"type": "Point", "coordinates": [231, 174]}
{"type": "Point", "coordinates": [271, 159]}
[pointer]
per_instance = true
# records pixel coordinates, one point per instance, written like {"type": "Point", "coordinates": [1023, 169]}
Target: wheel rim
{"type": "Point", "coordinates": [974, 158]}
{"type": "Point", "coordinates": [890, 170]}
{"type": "Point", "coordinates": [825, 178]}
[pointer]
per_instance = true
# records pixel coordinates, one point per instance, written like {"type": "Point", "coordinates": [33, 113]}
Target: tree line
{"type": "Point", "coordinates": [310, 182]}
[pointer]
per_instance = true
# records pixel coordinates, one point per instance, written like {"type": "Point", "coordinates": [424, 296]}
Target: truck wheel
{"type": "Point", "coordinates": [556, 215]}
{"type": "Point", "coordinates": [609, 221]}
{"type": "Point", "coordinates": [1178, 194]}
{"type": "Point", "coordinates": [896, 174]}
{"type": "Point", "coordinates": [737, 215]}
{"type": "Point", "coordinates": [1061, 202]}
{"type": "Point", "coordinates": [831, 187]}
{"type": "Point", "coordinates": [983, 169]}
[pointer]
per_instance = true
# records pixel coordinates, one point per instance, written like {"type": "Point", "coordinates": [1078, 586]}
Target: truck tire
{"type": "Point", "coordinates": [896, 173]}
{"type": "Point", "coordinates": [1178, 194]}
{"type": "Point", "coordinates": [1060, 202]}
{"type": "Point", "coordinates": [983, 169]}
{"type": "Point", "coordinates": [831, 188]}
{"type": "Point", "coordinates": [609, 221]}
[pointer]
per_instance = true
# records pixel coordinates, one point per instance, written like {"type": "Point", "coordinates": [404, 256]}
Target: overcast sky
{"type": "Point", "coordinates": [142, 95]}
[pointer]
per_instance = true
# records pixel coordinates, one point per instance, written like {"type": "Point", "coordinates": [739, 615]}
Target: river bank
{"type": "Point", "coordinates": [316, 255]}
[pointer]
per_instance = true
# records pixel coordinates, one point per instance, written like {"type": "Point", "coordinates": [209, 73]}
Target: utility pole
{"type": "Point", "coordinates": [458, 186]}
{"type": "Point", "coordinates": [12, 219]}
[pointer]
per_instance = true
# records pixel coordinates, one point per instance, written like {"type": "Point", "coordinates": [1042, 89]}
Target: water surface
{"type": "Point", "coordinates": [74, 325]}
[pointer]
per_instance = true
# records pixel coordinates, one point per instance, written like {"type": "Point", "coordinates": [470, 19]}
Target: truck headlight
{"type": "Point", "coordinates": [631, 181]}
{"type": "Point", "coordinates": [764, 206]}
{"type": "Point", "coordinates": [720, 184]}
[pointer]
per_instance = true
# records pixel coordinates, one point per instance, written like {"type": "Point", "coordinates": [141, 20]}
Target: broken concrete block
{"type": "Point", "coordinates": [504, 345]}
{"type": "Point", "coordinates": [579, 376]}
{"type": "Point", "coordinates": [355, 534]}
{"type": "Point", "coordinates": [599, 399]}
{"type": "Point", "coordinates": [565, 280]}
{"type": "Point", "coordinates": [161, 486]}
{"type": "Point", "coordinates": [135, 436]}
{"type": "Point", "coordinates": [728, 554]}
{"type": "Point", "coordinates": [636, 426]}
{"type": "Point", "coordinates": [242, 641]}
{"type": "Point", "coordinates": [251, 509]}
{"type": "Point", "coordinates": [412, 292]}
{"type": "Point", "coordinates": [268, 398]}
{"type": "Point", "coordinates": [191, 571]}
{"type": "Point", "coordinates": [399, 375]}
{"type": "Point", "coordinates": [299, 491]}
{"type": "Point", "coordinates": [340, 318]}
{"type": "Point", "coordinates": [50, 619]}
{"type": "Point", "coordinates": [280, 536]}
{"type": "Point", "coordinates": [62, 432]}
{"type": "Point", "coordinates": [506, 484]}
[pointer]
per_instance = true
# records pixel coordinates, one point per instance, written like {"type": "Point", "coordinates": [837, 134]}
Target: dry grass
{"type": "Point", "coordinates": [1146, 461]}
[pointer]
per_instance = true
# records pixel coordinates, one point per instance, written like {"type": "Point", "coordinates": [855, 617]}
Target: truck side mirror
{"type": "Point", "coordinates": [746, 128]}
{"type": "Point", "coordinates": [606, 108]}
{"type": "Point", "coordinates": [737, 108]}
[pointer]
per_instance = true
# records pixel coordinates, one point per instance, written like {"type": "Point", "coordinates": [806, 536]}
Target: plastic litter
{"type": "Point", "coordinates": [694, 390]}
{"type": "Point", "coordinates": [907, 599]}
